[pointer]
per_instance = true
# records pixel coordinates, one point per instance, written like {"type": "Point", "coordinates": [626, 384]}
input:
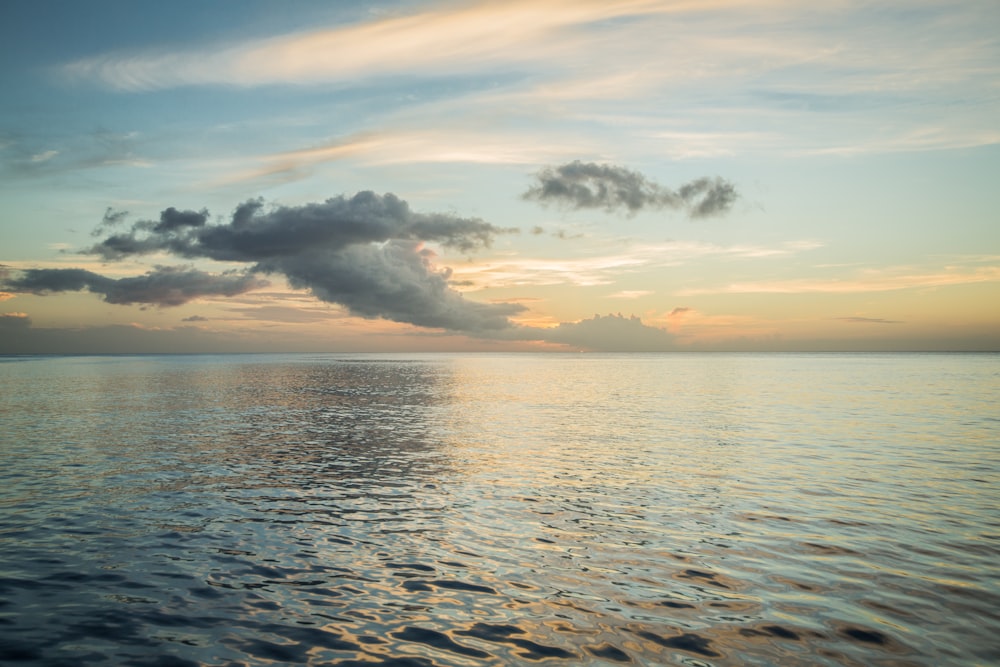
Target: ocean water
{"type": "Point", "coordinates": [419, 510]}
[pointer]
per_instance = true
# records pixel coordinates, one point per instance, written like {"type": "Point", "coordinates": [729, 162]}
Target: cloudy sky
{"type": "Point", "coordinates": [521, 175]}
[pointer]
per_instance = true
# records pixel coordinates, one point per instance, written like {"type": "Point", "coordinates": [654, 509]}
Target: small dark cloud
{"type": "Point", "coordinates": [611, 333]}
{"type": "Point", "coordinates": [537, 230]}
{"type": "Point", "coordinates": [172, 219]}
{"type": "Point", "coordinates": [112, 218]}
{"type": "Point", "coordinates": [707, 197]}
{"type": "Point", "coordinates": [195, 318]}
{"type": "Point", "coordinates": [580, 185]}
{"type": "Point", "coordinates": [868, 320]}
{"type": "Point", "coordinates": [680, 310]}
{"type": "Point", "coordinates": [164, 286]}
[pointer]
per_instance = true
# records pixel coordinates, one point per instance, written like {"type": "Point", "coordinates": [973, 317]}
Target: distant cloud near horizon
{"type": "Point", "coordinates": [612, 333]}
{"type": "Point", "coordinates": [613, 188]}
{"type": "Point", "coordinates": [164, 286]}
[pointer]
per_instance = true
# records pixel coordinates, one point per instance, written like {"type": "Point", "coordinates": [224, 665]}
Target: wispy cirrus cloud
{"type": "Point", "coordinates": [427, 145]}
{"type": "Point", "coordinates": [24, 158]}
{"type": "Point", "coordinates": [870, 281]}
{"type": "Point", "coordinates": [517, 272]}
{"type": "Point", "coordinates": [44, 156]}
{"type": "Point", "coordinates": [448, 39]}
{"type": "Point", "coordinates": [631, 294]}
{"type": "Point", "coordinates": [774, 58]}
{"type": "Point", "coordinates": [604, 269]}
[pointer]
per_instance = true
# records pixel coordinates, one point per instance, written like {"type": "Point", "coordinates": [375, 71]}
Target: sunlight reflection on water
{"type": "Point", "coordinates": [422, 510]}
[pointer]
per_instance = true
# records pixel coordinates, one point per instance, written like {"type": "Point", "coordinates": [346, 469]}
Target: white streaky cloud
{"type": "Point", "coordinates": [631, 294]}
{"type": "Point", "coordinates": [915, 139]}
{"type": "Point", "coordinates": [723, 70]}
{"type": "Point", "coordinates": [462, 38]}
{"type": "Point", "coordinates": [44, 156]}
{"type": "Point", "coordinates": [447, 39]}
{"type": "Point", "coordinates": [680, 144]}
{"type": "Point", "coordinates": [487, 146]}
{"type": "Point", "coordinates": [603, 270]}
{"type": "Point", "coordinates": [872, 281]}
{"type": "Point", "coordinates": [585, 272]}
{"type": "Point", "coordinates": [408, 147]}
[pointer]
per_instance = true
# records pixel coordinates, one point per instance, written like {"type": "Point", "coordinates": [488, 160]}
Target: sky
{"type": "Point", "coordinates": [540, 175]}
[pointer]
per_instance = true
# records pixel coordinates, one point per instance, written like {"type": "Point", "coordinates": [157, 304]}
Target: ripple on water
{"type": "Point", "coordinates": [466, 511]}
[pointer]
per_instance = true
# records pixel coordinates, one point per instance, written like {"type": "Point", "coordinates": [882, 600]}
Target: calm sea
{"type": "Point", "coordinates": [419, 510]}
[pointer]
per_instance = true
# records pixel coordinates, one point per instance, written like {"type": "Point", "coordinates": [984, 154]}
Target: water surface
{"type": "Point", "coordinates": [500, 509]}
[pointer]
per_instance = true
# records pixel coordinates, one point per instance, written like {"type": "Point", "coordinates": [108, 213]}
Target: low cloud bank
{"type": "Point", "coordinates": [602, 333]}
{"type": "Point", "coordinates": [164, 286]}
{"type": "Point", "coordinates": [613, 188]}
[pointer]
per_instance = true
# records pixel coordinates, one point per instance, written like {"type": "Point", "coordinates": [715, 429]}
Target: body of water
{"type": "Point", "coordinates": [420, 510]}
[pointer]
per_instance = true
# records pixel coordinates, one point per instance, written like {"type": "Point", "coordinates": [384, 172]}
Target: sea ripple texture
{"type": "Point", "coordinates": [500, 509]}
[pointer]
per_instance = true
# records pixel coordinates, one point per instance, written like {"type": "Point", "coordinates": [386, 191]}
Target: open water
{"type": "Point", "coordinates": [419, 510]}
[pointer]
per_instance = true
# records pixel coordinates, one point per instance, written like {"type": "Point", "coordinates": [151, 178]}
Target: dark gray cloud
{"type": "Point", "coordinates": [395, 280]}
{"type": "Point", "coordinates": [707, 197]}
{"type": "Point", "coordinates": [580, 185]}
{"type": "Point", "coordinates": [44, 281]}
{"type": "Point", "coordinates": [253, 234]}
{"type": "Point", "coordinates": [164, 286]}
{"type": "Point", "coordinates": [364, 252]}
{"type": "Point", "coordinates": [172, 219]}
{"type": "Point", "coordinates": [112, 218]}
